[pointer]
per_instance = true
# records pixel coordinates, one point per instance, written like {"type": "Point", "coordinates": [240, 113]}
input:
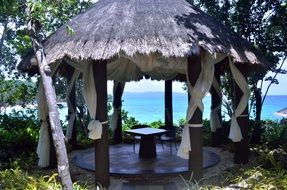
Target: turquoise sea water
{"type": "Point", "coordinates": [149, 106]}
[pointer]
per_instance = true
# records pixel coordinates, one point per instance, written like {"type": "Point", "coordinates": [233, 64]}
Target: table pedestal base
{"type": "Point", "coordinates": [147, 147]}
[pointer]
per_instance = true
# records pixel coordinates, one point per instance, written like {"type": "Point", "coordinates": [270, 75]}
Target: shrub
{"type": "Point", "coordinates": [274, 134]}
{"type": "Point", "coordinates": [156, 124]}
{"type": "Point", "coordinates": [260, 178]}
{"type": "Point", "coordinates": [128, 122]}
{"type": "Point", "coordinates": [18, 135]}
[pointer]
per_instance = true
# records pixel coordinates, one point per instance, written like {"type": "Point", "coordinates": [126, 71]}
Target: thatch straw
{"type": "Point", "coordinates": [170, 27]}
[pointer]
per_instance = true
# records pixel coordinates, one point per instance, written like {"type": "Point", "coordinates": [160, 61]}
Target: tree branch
{"type": "Point", "coordinates": [271, 82]}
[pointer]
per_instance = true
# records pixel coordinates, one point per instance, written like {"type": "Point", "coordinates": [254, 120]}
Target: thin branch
{"type": "Point", "coordinates": [271, 82]}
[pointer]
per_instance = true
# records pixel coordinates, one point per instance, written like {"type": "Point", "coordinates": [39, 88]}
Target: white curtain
{"type": "Point", "coordinates": [126, 68]}
{"type": "Point", "coordinates": [90, 97]}
{"type": "Point", "coordinates": [116, 110]}
{"type": "Point", "coordinates": [43, 147]}
{"type": "Point", "coordinates": [197, 93]}
{"type": "Point", "coordinates": [235, 131]}
{"type": "Point", "coordinates": [73, 113]}
{"type": "Point", "coordinates": [214, 117]}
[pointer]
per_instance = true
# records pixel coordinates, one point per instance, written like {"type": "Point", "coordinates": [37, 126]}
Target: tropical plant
{"type": "Point", "coordinates": [156, 124]}
{"type": "Point", "coordinates": [16, 178]}
{"type": "Point", "coordinates": [274, 134]}
{"type": "Point", "coordinates": [128, 122]}
{"type": "Point", "coordinates": [15, 92]}
{"type": "Point", "coordinates": [18, 135]}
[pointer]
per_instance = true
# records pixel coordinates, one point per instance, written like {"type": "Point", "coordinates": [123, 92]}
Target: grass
{"type": "Point", "coordinates": [22, 174]}
{"type": "Point", "coordinates": [16, 178]}
{"type": "Point", "coordinates": [257, 178]}
{"type": "Point", "coordinates": [266, 171]}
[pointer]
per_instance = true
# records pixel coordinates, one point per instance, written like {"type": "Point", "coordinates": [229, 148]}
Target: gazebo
{"type": "Point", "coordinates": [164, 40]}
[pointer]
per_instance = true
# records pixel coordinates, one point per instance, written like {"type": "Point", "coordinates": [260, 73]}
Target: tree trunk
{"type": "Point", "coordinates": [256, 134]}
{"type": "Point", "coordinates": [57, 133]}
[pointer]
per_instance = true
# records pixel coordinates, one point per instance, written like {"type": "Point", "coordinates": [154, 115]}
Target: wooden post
{"type": "Point", "coordinates": [72, 106]}
{"type": "Point", "coordinates": [102, 160]}
{"type": "Point", "coordinates": [195, 163]}
{"type": "Point", "coordinates": [241, 154]}
{"type": "Point", "coordinates": [216, 137]}
{"type": "Point", "coordinates": [117, 103]}
{"type": "Point", "coordinates": [168, 104]}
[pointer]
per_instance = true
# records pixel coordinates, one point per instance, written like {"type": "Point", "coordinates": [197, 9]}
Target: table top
{"type": "Point", "coordinates": [145, 131]}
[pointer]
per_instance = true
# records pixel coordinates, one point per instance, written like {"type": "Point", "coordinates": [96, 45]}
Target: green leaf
{"type": "Point", "coordinates": [70, 31]}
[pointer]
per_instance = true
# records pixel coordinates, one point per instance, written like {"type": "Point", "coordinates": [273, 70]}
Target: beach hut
{"type": "Point", "coordinates": [162, 39]}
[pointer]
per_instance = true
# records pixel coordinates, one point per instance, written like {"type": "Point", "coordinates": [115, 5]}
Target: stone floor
{"type": "Point", "coordinates": [146, 179]}
{"type": "Point", "coordinates": [124, 161]}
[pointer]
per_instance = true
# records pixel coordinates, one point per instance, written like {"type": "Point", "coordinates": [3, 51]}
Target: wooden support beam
{"type": "Point", "coordinates": [216, 137]}
{"type": "Point", "coordinates": [72, 106]}
{"type": "Point", "coordinates": [241, 154]}
{"type": "Point", "coordinates": [117, 103]}
{"type": "Point", "coordinates": [195, 163]}
{"type": "Point", "coordinates": [102, 160]}
{"type": "Point", "coordinates": [168, 104]}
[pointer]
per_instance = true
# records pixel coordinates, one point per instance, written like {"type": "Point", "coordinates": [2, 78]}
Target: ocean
{"type": "Point", "coordinates": [149, 106]}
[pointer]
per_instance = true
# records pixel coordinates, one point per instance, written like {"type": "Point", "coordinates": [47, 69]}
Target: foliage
{"type": "Point", "coordinates": [18, 135]}
{"type": "Point", "coordinates": [15, 40]}
{"type": "Point", "coordinates": [181, 122]}
{"type": "Point", "coordinates": [11, 19]}
{"type": "Point", "coordinates": [189, 184]}
{"type": "Point", "coordinates": [270, 172]}
{"type": "Point", "coordinates": [16, 178]}
{"type": "Point", "coordinates": [14, 92]}
{"type": "Point", "coordinates": [260, 178]}
{"type": "Point", "coordinates": [156, 124]}
{"type": "Point", "coordinates": [266, 172]}
{"type": "Point", "coordinates": [274, 134]}
{"type": "Point", "coordinates": [270, 158]}
{"type": "Point", "coordinates": [128, 122]}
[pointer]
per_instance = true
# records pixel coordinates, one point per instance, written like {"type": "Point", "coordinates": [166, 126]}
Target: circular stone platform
{"type": "Point", "coordinates": [124, 161]}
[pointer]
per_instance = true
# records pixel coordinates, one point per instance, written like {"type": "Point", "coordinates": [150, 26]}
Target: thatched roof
{"type": "Point", "coordinates": [173, 28]}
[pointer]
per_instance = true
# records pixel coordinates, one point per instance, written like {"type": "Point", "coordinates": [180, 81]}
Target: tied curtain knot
{"type": "Point", "coordinates": [214, 119]}
{"type": "Point", "coordinates": [114, 117]}
{"type": "Point", "coordinates": [184, 148]}
{"type": "Point", "coordinates": [96, 127]}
